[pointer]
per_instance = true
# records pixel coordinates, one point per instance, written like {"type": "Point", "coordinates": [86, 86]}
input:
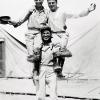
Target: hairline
{"type": "Point", "coordinates": [55, 0]}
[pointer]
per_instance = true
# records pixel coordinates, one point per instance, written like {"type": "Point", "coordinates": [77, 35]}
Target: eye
{"type": "Point", "coordinates": [51, 3]}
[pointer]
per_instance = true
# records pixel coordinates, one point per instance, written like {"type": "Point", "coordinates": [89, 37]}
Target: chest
{"type": "Point", "coordinates": [38, 15]}
{"type": "Point", "coordinates": [47, 52]}
{"type": "Point", "coordinates": [56, 16]}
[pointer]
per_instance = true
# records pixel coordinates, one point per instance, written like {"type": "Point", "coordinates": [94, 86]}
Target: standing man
{"type": "Point", "coordinates": [57, 22]}
{"type": "Point", "coordinates": [47, 74]}
{"type": "Point", "coordinates": [37, 18]}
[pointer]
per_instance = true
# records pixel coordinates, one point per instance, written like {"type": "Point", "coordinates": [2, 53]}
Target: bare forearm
{"type": "Point", "coordinates": [91, 8]}
{"type": "Point", "coordinates": [84, 13]}
{"type": "Point", "coordinates": [17, 23]}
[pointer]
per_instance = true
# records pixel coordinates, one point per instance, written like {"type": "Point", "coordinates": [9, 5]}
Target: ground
{"type": "Point", "coordinates": [23, 89]}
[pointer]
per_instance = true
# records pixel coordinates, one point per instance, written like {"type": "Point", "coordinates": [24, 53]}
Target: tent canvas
{"type": "Point", "coordinates": [82, 70]}
{"type": "Point", "coordinates": [15, 56]}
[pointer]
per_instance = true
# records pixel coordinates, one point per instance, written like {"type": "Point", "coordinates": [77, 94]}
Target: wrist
{"type": "Point", "coordinates": [89, 10]}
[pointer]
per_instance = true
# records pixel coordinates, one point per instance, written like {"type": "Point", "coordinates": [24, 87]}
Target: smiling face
{"type": "Point", "coordinates": [46, 35]}
{"type": "Point", "coordinates": [38, 3]}
{"type": "Point", "coordinates": [52, 5]}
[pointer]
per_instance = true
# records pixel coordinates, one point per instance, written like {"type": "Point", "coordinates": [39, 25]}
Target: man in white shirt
{"type": "Point", "coordinates": [57, 21]}
{"type": "Point", "coordinates": [47, 74]}
{"type": "Point", "coordinates": [37, 17]}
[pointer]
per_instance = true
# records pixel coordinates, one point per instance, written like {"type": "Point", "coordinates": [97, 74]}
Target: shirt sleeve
{"type": "Point", "coordinates": [81, 14]}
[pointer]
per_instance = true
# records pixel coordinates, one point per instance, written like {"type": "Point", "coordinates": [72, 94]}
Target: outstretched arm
{"type": "Point", "coordinates": [21, 20]}
{"type": "Point", "coordinates": [18, 23]}
{"type": "Point", "coordinates": [91, 8]}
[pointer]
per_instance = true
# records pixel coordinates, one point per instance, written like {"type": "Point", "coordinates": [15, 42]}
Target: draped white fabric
{"type": "Point", "coordinates": [86, 55]}
{"type": "Point", "coordinates": [15, 57]}
{"type": "Point", "coordinates": [83, 64]}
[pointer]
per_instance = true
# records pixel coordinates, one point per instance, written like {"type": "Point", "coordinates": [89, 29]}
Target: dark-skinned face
{"type": "Point", "coordinates": [46, 35]}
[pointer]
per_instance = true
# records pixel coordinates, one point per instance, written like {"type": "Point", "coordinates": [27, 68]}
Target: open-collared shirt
{"type": "Point", "coordinates": [35, 18]}
{"type": "Point", "coordinates": [57, 19]}
{"type": "Point", "coordinates": [47, 54]}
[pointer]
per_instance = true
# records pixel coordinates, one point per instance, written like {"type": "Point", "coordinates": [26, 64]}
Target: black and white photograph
{"type": "Point", "coordinates": [49, 50]}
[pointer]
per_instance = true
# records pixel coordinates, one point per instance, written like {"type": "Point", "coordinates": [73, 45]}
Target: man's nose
{"type": "Point", "coordinates": [45, 34]}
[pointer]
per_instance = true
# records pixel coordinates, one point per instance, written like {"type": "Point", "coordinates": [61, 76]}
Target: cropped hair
{"type": "Point", "coordinates": [55, 0]}
{"type": "Point", "coordinates": [46, 28]}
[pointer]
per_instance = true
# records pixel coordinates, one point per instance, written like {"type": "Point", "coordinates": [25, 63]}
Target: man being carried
{"type": "Point", "coordinates": [57, 21]}
{"type": "Point", "coordinates": [37, 18]}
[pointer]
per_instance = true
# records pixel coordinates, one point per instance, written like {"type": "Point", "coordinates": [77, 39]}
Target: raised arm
{"type": "Point", "coordinates": [91, 8]}
{"type": "Point", "coordinates": [22, 19]}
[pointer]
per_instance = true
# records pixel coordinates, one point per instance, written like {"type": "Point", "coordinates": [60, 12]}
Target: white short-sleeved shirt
{"type": "Point", "coordinates": [47, 54]}
{"type": "Point", "coordinates": [37, 18]}
{"type": "Point", "coordinates": [57, 20]}
{"type": "Point", "coordinates": [34, 17]}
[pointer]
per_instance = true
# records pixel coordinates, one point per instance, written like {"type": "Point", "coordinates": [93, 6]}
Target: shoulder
{"type": "Point", "coordinates": [60, 11]}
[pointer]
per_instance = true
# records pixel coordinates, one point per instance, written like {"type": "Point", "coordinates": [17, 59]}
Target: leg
{"type": "Point", "coordinates": [38, 41]}
{"type": "Point", "coordinates": [32, 44]}
{"type": "Point", "coordinates": [64, 39]}
{"type": "Point", "coordinates": [61, 63]}
{"type": "Point", "coordinates": [53, 86]}
{"type": "Point", "coordinates": [40, 94]}
{"type": "Point", "coordinates": [29, 43]}
{"type": "Point", "coordinates": [64, 42]}
{"type": "Point", "coordinates": [36, 80]}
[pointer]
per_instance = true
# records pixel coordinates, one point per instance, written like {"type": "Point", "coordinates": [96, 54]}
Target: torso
{"type": "Point", "coordinates": [57, 20]}
{"type": "Point", "coordinates": [37, 18]}
{"type": "Point", "coordinates": [47, 55]}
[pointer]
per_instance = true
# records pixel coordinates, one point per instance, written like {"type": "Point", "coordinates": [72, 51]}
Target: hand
{"type": "Point", "coordinates": [4, 19]}
{"type": "Point", "coordinates": [13, 23]}
{"type": "Point", "coordinates": [92, 7]}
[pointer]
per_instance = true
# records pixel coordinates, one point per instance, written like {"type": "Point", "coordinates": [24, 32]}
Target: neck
{"type": "Point", "coordinates": [46, 42]}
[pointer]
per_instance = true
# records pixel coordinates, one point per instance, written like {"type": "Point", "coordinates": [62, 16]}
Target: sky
{"type": "Point", "coordinates": [16, 8]}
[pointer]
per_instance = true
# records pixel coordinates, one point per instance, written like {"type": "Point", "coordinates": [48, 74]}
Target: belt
{"type": "Point", "coordinates": [47, 65]}
{"type": "Point", "coordinates": [34, 28]}
{"type": "Point", "coordinates": [59, 32]}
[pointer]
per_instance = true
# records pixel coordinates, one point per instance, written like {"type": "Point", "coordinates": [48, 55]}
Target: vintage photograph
{"type": "Point", "coordinates": [49, 50]}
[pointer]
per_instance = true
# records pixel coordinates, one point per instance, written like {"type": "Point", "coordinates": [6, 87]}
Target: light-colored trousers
{"type": "Point", "coordinates": [48, 77]}
{"type": "Point", "coordinates": [62, 38]}
{"type": "Point", "coordinates": [34, 40]}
